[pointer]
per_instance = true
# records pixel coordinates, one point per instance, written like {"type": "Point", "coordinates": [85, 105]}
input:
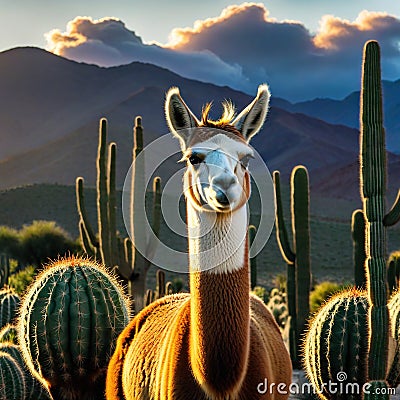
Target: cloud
{"type": "Point", "coordinates": [245, 46]}
{"type": "Point", "coordinates": [107, 42]}
{"type": "Point", "coordinates": [297, 63]}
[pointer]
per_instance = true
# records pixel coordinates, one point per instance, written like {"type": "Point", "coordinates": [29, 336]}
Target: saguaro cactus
{"type": "Point", "coordinates": [374, 363]}
{"type": "Point", "coordinates": [297, 256]}
{"type": "Point", "coordinates": [108, 247]}
{"type": "Point", "coordinates": [393, 271]}
{"type": "Point", "coordinates": [69, 322]}
{"type": "Point", "coordinates": [4, 269]}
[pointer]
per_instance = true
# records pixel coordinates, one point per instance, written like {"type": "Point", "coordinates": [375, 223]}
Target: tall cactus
{"type": "Point", "coordinates": [253, 261]}
{"type": "Point", "coordinates": [359, 255]}
{"type": "Point", "coordinates": [108, 247]}
{"type": "Point", "coordinates": [69, 322]}
{"type": "Point", "coordinates": [374, 363]}
{"type": "Point", "coordinates": [297, 256]}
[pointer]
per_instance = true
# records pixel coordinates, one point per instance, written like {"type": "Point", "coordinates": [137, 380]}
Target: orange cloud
{"type": "Point", "coordinates": [180, 37]}
{"type": "Point", "coordinates": [334, 31]}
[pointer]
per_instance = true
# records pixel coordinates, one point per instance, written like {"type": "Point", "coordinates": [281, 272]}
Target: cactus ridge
{"type": "Point", "coordinates": [69, 322]}
{"type": "Point", "coordinates": [9, 303]}
{"type": "Point", "coordinates": [337, 341]}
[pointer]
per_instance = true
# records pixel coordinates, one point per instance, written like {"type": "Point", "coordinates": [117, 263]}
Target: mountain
{"type": "Point", "coordinates": [50, 108]}
{"type": "Point", "coordinates": [346, 111]}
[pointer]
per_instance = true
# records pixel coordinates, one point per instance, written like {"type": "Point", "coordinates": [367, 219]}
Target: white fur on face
{"type": "Point", "coordinates": [220, 171]}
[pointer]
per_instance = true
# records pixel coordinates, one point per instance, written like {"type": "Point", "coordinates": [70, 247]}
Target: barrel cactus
{"type": "Point", "coordinates": [336, 344]}
{"type": "Point", "coordinates": [34, 389]}
{"type": "Point", "coordinates": [12, 381]}
{"type": "Point", "coordinates": [9, 303]}
{"type": "Point", "coordinates": [69, 322]}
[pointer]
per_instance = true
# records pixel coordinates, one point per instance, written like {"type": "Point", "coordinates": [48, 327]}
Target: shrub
{"type": "Point", "coordinates": [22, 279]}
{"type": "Point", "coordinates": [323, 292]}
{"type": "Point", "coordinates": [43, 240]}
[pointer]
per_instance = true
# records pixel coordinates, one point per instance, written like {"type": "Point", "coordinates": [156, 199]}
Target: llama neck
{"type": "Point", "coordinates": [220, 309]}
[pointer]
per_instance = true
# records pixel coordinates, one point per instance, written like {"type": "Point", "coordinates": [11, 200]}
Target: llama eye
{"type": "Point", "coordinates": [195, 159]}
{"type": "Point", "coordinates": [245, 161]}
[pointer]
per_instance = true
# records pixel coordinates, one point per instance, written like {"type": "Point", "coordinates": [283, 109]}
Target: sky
{"type": "Point", "coordinates": [303, 49]}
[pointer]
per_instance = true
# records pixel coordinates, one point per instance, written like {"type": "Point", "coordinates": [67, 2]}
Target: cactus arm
{"type": "Point", "coordinates": [112, 204]}
{"type": "Point", "coordinates": [359, 256]}
{"type": "Point", "coordinates": [85, 241]}
{"type": "Point", "coordinates": [80, 202]}
{"type": "Point", "coordinates": [393, 216]}
{"type": "Point", "coordinates": [253, 261]}
{"type": "Point", "coordinates": [102, 194]}
{"type": "Point", "coordinates": [281, 231]}
{"type": "Point", "coordinates": [160, 288]}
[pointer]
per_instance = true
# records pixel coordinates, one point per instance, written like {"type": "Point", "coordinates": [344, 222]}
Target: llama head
{"type": "Point", "coordinates": [217, 152]}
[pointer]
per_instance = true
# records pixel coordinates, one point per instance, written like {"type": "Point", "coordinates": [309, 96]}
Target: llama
{"type": "Point", "coordinates": [218, 342]}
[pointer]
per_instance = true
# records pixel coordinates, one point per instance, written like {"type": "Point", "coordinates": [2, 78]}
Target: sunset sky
{"type": "Point", "coordinates": [304, 49]}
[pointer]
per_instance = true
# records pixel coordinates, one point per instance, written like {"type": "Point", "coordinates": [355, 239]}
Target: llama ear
{"type": "Point", "coordinates": [251, 119]}
{"type": "Point", "coordinates": [179, 117]}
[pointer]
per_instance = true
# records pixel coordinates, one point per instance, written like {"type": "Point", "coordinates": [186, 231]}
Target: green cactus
{"type": "Point", "coordinates": [297, 259]}
{"type": "Point", "coordinates": [253, 261]}
{"type": "Point", "coordinates": [373, 194]}
{"type": "Point", "coordinates": [113, 251]}
{"type": "Point", "coordinates": [4, 269]}
{"type": "Point", "coordinates": [374, 362]}
{"type": "Point", "coordinates": [12, 381]}
{"type": "Point", "coordinates": [69, 321]}
{"type": "Point", "coordinates": [359, 255]}
{"type": "Point", "coordinates": [337, 343]}
{"type": "Point", "coordinates": [9, 303]}
{"type": "Point", "coordinates": [34, 389]}
{"type": "Point", "coordinates": [393, 271]}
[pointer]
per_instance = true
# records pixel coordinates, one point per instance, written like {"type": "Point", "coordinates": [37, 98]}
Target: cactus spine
{"type": "Point", "coordinates": [298, 260]}
{"type": "Point", "coordinates": [109, 248]}
{"type": "Point", "coordinates": [359, 256]}
{"type": "Point", "coordinates": [69, 322]}
{"type": "Point", "coordinates": [9, 303]}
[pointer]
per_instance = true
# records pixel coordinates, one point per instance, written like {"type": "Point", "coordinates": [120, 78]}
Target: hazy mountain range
{"type": "Point", "coordinates": [50, 107]}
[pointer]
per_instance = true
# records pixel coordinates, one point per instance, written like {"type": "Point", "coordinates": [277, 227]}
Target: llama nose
{"type": "Point", "coordinates": [224, 181]}
{"type": "Point", "coordinates": [221, 198]}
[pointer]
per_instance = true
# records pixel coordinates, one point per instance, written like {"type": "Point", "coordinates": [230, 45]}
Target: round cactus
{"type": "Point", "coordinates": [12, 381]}
{"type": "Point", "coordinates": [9, 303]}
{"type": "Point", "coordinates": [34, 389]}
{"type": "Point", "coordinates": [336, 344]}
{"type": "Point", "coordinates": [69, 322]}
